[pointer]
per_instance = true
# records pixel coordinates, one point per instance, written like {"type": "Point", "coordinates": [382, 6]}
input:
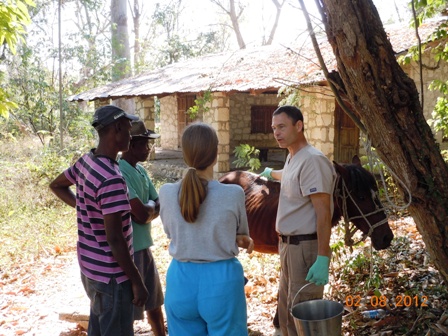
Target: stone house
{"type": "Point", "coordinates": [243, 87]}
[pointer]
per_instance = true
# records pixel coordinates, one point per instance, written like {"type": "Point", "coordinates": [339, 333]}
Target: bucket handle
{"type": "Point", "coordinates": [295, 296]}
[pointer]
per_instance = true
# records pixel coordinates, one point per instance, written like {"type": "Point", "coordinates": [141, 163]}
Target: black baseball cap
{"type": "Point", "coordinates": [108, 114]}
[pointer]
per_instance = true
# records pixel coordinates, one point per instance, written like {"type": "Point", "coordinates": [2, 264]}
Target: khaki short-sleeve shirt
{"type": "Point", "coordinates": [307, 172]}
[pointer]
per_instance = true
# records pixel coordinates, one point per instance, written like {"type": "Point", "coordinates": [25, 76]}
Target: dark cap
{"type": "Point", "coordinates": [139, 130]}
{"type": "Point", "coordinates": [108, 114]}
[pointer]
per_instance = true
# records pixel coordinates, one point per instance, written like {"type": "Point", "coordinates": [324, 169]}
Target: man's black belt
{"type": "Point", "coordinates": [296, 239]}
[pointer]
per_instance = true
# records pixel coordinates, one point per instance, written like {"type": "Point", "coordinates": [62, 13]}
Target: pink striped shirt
{"type": "Point", "coordinates": [100, 190]}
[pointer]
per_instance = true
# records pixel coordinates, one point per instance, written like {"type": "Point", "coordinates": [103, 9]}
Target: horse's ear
{"type": "Point", "coordinates": [356, 160]}
{"type": "Point", "coordinates": [339, 169]}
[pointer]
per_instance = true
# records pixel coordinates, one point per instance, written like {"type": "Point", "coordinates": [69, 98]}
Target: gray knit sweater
{"type": "Point", "coordinates": [212, 237]}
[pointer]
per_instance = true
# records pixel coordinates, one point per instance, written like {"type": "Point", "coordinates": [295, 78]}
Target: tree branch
{"type": "Point", "coordinates": [341, 103]}
{"type": "Point", "coordinates": [419, 47]}
{"type": "Point", "coordinates": [278, 6]}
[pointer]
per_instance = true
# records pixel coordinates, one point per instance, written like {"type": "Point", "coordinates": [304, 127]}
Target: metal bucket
{"type": "Point", "coordinates": [317, 317]}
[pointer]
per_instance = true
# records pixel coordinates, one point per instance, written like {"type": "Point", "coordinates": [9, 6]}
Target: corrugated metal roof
{"type": "Point", "coordinates": [259, 69]}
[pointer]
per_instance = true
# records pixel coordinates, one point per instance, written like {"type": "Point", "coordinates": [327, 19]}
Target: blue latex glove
{"type": "Point", "coordinates": [318, 273]}
{"type": "Point", "coordinates": [267, 173]}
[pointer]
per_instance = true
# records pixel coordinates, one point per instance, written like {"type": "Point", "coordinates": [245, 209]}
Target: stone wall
{"type": "Point", "coordinates": [230, 115]}
{"type": "Point", "coordinates": [144, 108]}
{"type": "Point", "coordinates": [318, 113]}
{"type": "Point", "coordinates": [240, 120]}
{"type": "Point", "coordinates": [430, 71]}
{"type": "Point", "coordinates": [218, 116]}
{"type": "Point", "coordinates": [318, 106]}
{"type": "Point", "coordinates": [168, 123]}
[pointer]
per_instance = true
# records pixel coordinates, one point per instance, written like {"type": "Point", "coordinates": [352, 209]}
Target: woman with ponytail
{"type": "Point", "coordinates": [206, 222]}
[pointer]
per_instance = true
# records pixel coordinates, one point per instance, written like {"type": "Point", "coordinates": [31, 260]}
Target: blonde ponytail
{"type": "Point", "coordinates": [200, 149]}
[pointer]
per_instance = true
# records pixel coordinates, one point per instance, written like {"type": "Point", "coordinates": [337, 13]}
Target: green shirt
{"type": "Point", "coordinates": [139, 185]}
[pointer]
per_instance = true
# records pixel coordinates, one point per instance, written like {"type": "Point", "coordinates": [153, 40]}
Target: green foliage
{"type": "Point", "coordinates": [36, 98]}
{"type": "Point", "coordinates": [36, 94]}
{"type": "Point", "coordinates": [5, 104]}
{"type": "Point", "coordinates": [201, 105]}
{"type": "Point", "coordinates": [247, 156]}
{"type": "Point", "coordinates": [428, 8]}
{"type": "Point", "coordinates": [14, 18]}
{"type": "Point", "coordinates": [292, 96]}
{"type": "Point", "coordinates": [34, 221]}
{"type": "Point", "coordinates": [85, 45]}
{"type": "Point", "coordinates": [411, 56]}
{"type": "Point", "coordinates": [47, 166]}
{"type": "Point", "coordinates": [439, 115]}
{"type": "Point", "coordinates": [445, 155]}
{"type": "Point", "coordinates": [387, 186]}
{"type": "Point", "coordinates": [359, 265]}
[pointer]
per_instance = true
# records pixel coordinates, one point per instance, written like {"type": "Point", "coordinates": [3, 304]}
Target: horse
{"type": "Point", "coordinates": [355, 199]}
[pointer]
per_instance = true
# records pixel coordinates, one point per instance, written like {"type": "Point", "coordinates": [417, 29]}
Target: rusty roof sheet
{"type": "Point", "coordinates": [259, 69]}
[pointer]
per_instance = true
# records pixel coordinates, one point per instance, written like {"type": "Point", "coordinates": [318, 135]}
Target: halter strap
{"type": "Point", "coordinates": [349, 232]}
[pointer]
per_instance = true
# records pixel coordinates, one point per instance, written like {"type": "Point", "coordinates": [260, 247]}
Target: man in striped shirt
{"type": "Point", "coordinates": [105, 251]}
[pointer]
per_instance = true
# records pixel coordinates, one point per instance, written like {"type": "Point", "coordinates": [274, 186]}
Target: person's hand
{"type": "Point", "coordinates": [140, 293]}
{"type": "Point", "coordinates": [152, 204]}
{"type": "Point", "coordinates": [318, 273]}
{"type": "Point", "coordinates": [267, 173]}
{"type": "Point", "coordinates": [246, 242]}
{"type": "Point", "coordinates": [154, 212]}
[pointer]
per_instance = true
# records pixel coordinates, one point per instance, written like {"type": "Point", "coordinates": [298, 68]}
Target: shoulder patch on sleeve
{"type": "Point", "coordinates": [313, 190]}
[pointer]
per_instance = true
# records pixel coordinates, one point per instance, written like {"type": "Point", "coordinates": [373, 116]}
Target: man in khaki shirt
{"type": "Point", "coordinates": [304, 214]}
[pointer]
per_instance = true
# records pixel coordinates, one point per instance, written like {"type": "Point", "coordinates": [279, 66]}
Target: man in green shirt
{"type": "Point", "coordinates": [144, 208]}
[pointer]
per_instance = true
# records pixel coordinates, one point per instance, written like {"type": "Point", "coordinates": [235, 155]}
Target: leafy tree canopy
{"type": "Point", "coordinates": [14, 18]}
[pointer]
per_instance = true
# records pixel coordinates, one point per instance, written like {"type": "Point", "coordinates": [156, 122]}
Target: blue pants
{"type": "Point", "coordinates": [206, 299]}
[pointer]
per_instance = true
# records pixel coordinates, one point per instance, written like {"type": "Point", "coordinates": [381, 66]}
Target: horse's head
{"type": "Point", "coordinates": [356, 199]}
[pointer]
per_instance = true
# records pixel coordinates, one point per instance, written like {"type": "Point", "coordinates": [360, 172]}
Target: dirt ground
{"type": "Point", "coordinates": [34, 297]}
{"type": "Point", "coordinates": [33, 300]}
{"type": "Point", "coordinates": [31, 304]}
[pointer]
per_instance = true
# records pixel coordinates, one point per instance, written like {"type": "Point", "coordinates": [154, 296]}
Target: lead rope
{"type": "Point", "coordinates": [371, 156]}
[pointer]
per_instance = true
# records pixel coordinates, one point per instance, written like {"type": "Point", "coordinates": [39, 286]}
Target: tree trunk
{"type": "Point", "coordinates": [121, 54]}
{"type": "Point", "coordinates": [387, 101]}
{"type": "Point", "coordinates": [234, 17]}
{"type": "Point", "coordinates": [136, 19]}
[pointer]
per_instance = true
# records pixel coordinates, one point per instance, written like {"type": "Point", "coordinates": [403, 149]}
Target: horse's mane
{"type": "Point", "coordinates": [360, 178]}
